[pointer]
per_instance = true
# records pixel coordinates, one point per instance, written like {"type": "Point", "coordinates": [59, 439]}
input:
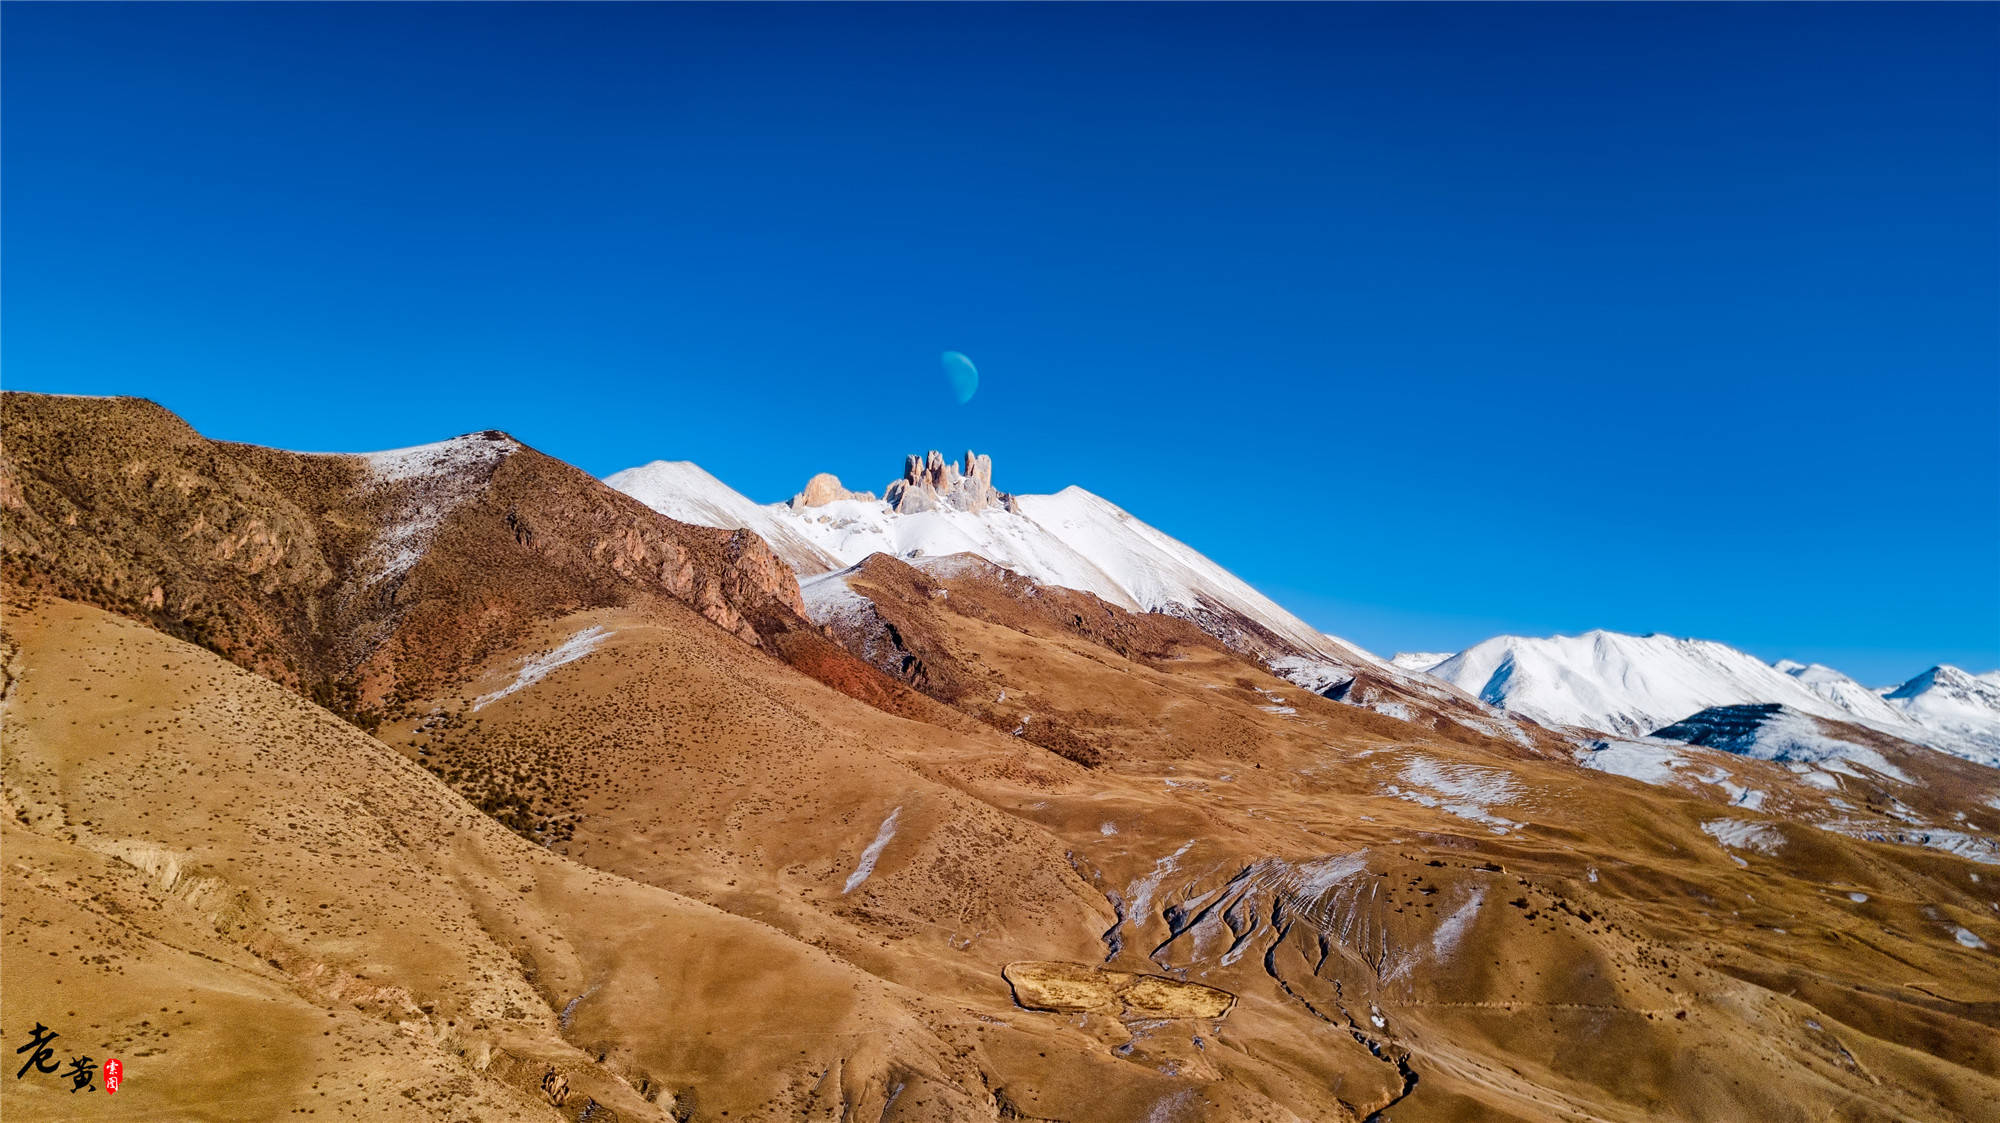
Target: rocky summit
{"type": "Point", "coordinates": [930, 483]}
{"type": "Point", "coordinates": [825, 488]}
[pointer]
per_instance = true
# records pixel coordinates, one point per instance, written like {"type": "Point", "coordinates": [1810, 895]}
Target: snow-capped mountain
{"type": "Point", "coordinates": [680, 489]}
{"type": "Point", "coordinates": [1866, 706]}
{"type": "Point", "coordinates": [1637, 685]}
{"type": "Point", "coordinates": [1620, 683]}
{"type": "Point", "coordinates": [1957, 707]}
{"type": "Point", "coordinates": [1072, 539]}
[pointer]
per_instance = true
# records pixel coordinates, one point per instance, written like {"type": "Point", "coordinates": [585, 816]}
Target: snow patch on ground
{"type": "Point", "coordinates": [1316, 675]}
{"type": "Point", "coordinates": [868, 857]}
{"type": "Point", "coordinates": [1452, 929]}
{"type": "Point", "coordinates": [1308, 881]}
{"type": "Point", "coordinates": [1277, 705]}
{"type": "Point", "coordinates": [1395, 710]}
{"type": "Point", "coordinates": [1140, 895]}
{"type": "Point", "coordinates": [535, 668]}
{"type": "Point", "coordinates": [1648, 762]}
{"type": "Point", "coordinates": [1978, 848]}
{"type": "Point", "coordinates": [1460, 789]}
{"type": "Point", "coordinates": [1172, 1107]}
{"type": "Point", "coordinates": [1750, 799]}
{"type": "Point", "coordinates": [830, 600]}
{"type": "Point", "coordinates": [444, 458]}
{"type": "Point", "coordinates": [1745, 834]}
{"type": "Point", "coordinates": [429, 482]}
{"type": "Point", "coordinates": [1968, 938]}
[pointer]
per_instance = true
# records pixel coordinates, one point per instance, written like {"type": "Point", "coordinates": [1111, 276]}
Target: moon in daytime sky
{"type": "Point", "coordinates": [963, 376]}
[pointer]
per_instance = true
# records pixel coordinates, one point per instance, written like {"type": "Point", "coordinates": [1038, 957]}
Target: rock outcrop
{"type": "Point", "coordinates": [352, 579]}
{"type": "Point", "coordinates": [929, 483]}
{"type": "Point", "coordinates": [823, 489]}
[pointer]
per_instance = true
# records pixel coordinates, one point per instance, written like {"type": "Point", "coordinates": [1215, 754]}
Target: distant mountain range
{"type": "Point", "coordinates": [1603, 681]}
{"type": "Point", "coordinates": [1637, 685]}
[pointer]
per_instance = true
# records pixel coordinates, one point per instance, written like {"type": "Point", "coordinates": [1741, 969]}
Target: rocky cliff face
{"type": "Point", "coordinates": [355, 579]}
{"type": "Point", "coordinates": [930, 483]}
{"type": "Point", "coordinates": [117, 502]}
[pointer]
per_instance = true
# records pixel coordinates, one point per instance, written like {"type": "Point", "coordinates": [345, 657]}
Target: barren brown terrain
{"type": "Point", "coordinates": [476, 790]}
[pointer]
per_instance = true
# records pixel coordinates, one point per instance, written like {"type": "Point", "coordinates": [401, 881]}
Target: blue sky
{"type": "Point", "coordinates": [1433, 322]}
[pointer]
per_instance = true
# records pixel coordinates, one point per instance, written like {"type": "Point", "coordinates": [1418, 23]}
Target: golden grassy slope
{"type": "Point", "coordinates": [1604, 957]}
{"type": "Point", "coordinates": [259, 908]}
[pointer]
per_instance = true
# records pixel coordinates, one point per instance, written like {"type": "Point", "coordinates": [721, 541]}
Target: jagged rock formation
{"type": "Point", "coordinates": [823, 489]}
{"type": "Point", "coordinates": [930, 484]}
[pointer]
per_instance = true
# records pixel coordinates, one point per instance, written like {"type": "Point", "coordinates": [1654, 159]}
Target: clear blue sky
{"type": "Point", "coordinates": [1433, 322]}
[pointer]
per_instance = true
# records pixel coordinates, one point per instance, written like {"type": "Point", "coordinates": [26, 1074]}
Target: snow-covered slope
{"type": "Point", "coordinates": [1866, 706]}
{"type": "Point", "coordinates": [1418, 660]}
{"type": "Point", "coordinates": [1072, 539]}
{"type": "Point", "coordinates": [1770, 731]}
{"type": "Point", "coordinates": [680, 489]}
{"type": "Point", "coordinates": [1959, 708]}
{"type": "Point", "coordinates": [1160, 573]}
{"type": "Point", "coordinates": [1620, 683]}
{"type": "Point", "coordinates": [422, 485]}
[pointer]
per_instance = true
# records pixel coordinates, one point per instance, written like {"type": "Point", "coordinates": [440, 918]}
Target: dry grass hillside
{"type": "Point", "coordinates": [260, 909]}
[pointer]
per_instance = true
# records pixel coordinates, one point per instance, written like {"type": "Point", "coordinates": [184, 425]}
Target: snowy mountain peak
{"type": "Point", "coordinates": [1642, 684]}
{"type": "Point", "coordinates": [1945, 677]}
{"type": "Point", "coordinates": [1863, 704]}
{"type": "Point", "coordinates": [1961, 707]}
{"type": "Point", "coordinates": [1622, 683]}
{"type": "Point", "coordinates": [1072, 539]}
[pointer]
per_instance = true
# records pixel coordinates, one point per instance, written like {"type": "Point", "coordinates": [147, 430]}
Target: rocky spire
{"type": "Point", "coordinates": [929, 483]}
{"type": "Point", "coordinates": [823, 489]}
